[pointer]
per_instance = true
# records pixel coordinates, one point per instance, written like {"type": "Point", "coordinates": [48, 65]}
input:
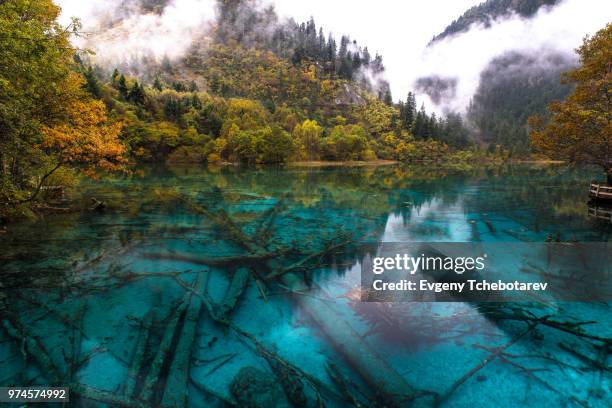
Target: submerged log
{"type": "Point", "coordinates": [344, 385]}
{"type": "Point", "coordinates": [238, 284]}
{"type": "Point", "coordinates": [106, 397]}
{"type": "Point", "coordinates": [138, 358]}
{"type": "Point", "coordinates": [163, 352]}
{"type": "Point", "coordinates": [212, 261]}
{"type": "Point", "coordinates": [175, 390]}
{"type": "Point", "coordinates": [393, 389]}
{"type": "Point", "coordinates": [34, 348]}
{"type": "Point", "coordinates": [97, 205]}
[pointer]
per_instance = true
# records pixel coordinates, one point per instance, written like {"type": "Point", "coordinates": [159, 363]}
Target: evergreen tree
{"type": "Point", "coordinates": [166, 65]}
{"type": "Point", "coordinates": [157, 84]}
{"type": "Point", "coordinates": [92, 84]}
{"type": "Point", "coordinates": [433, 127]}
{"type": "Point", "coordinates": [196, 102]}
{"type": "Point", "coordinates": [179, 86]}
{"type": "Point", "coordinates": [331, 54]}
{"type": "Point", "coordinates": [387, 97]}
{"type": "Point", "coordinates": [366, 57]}
{"type": "Point", "coordinates": [321, 48]}
{"type": "Point", "coordinates": [137, 94]}
{"type": "Point", "coordinates": [421, 123]}
{"type": "Point", "coordinates": [114, 77]}
{"type": "Point", "coordinates": [122, 87]}
{"type": "Point", "coordinates": [410, 110]}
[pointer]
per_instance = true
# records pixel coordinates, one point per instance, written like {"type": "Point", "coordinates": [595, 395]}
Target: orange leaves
{"type": "Point", "coordinates": [579, 130]}
{"type": "Point", "coordinates": [85, 138]}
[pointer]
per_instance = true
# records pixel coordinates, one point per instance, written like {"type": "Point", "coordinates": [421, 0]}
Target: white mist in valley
{"type": "Point", "coordinates": [121, 31]}
{"type": "Point", "coordinates": [462, 58]}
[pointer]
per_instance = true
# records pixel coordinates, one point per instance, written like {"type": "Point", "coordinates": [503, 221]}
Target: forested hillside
{"type": "Point", "coordinates": [512, 88]}
{"type": "Point", "coordinates": [262, 90]}
{"type": "Point", "coordinates": [485, 13]}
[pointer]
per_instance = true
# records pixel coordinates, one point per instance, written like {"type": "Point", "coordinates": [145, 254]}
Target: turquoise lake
{"type": "Point", "coordinates": [241, 287]}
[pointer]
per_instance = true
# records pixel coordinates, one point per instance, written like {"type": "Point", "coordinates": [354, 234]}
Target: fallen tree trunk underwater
{"type": "Point", "coordinates": [391, 388]}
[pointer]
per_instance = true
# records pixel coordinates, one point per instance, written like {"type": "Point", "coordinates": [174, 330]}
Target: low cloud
{"type": "Point", "coordinates": [122, 31]}
{"type": "Point", "coordinates": [556, 31]}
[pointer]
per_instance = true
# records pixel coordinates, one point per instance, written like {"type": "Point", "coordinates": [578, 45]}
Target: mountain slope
{"type": "Point", "coordinates": [485, 13]}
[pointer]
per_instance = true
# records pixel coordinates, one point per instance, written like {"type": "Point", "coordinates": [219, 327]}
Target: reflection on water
{"type": "Point", "coordinates": [600, 210]}
{"type": "Point", "coordinates": [240, 287]}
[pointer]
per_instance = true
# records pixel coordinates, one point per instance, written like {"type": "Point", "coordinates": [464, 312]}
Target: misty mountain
{"type": "Point", "coordinates": [246, 23]}
{"type": "Point", "coordinates": [486, 13]}
{"type": "Point", "coordinates": [513, 87]}
{"type": "Point", "coordinates": [234, 29]}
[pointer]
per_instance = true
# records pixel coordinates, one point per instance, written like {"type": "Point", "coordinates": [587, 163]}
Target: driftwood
{"type": "Point", "coordinates": [267, 221]}
{"type": "Point", "coordinates": [498, 312]}
{"type": "Point", "coordinates": [302, 265]}
{"type": "Point", "coordinates": [380, 376]}
{"type": "Point", "coordinates": [279, 363]}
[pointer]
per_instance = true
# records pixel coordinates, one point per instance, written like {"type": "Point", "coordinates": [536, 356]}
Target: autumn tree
{"type": "Point", "coordinates": [579, 129]}
{"type": "Point", "coordinates": [47, 118]}
{"type": "Point", "coordinates": [309, 135]}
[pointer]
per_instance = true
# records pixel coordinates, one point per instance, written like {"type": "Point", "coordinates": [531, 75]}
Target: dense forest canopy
{"type": "Point", "coordinates": [513, 87]}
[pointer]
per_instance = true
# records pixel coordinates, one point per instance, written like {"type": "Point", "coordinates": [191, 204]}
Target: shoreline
{"type": "Point", "coordinates": [350, 163]}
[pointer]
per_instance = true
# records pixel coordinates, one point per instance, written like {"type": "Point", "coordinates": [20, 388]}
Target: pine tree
{"type": "Point", "coordinates": [122, 87]}
{"type": "Point", "coordinates": [366, 57]}
{"type": "Point", "coordinates": [410, 110]}
{"type": "Point", "coordinates": [92, 84]}
{"type": "Point", "coordinates": [137, 94]}
{"type": "Point", "coordinates": [166, 65]}
{"type": "Point", "coordinates": [321, 47]}
{"type": "Point", "coordinates": [433, 126]}
{"type": "Point", "coordinates": [421, 124]}
{"type": "Point", "coordinates": [388, 98]}
{"type": "Point", "coordinates": [157, 84]}
{"type": "Point", "coordinates": [331, 54]}
{"type": "Point", "coordinates": [114, 77]}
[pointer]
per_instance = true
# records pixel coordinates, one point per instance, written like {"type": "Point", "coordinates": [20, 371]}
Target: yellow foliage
{"type": "Point", "coordinates": [580, 129]}
{"type": "Point", "coordinates": [85, 138]}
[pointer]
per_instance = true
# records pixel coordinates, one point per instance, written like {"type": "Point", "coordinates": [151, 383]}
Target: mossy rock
{"type": "Point", "coordinates": [255, 388]}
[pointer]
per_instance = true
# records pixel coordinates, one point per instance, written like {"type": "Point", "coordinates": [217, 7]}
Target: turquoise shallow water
{"type": "Point", "coordinates": [207, 288]}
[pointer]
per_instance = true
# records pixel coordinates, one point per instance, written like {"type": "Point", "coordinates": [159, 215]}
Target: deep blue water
{"type": "Point", "coordinates": [132, 304]}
